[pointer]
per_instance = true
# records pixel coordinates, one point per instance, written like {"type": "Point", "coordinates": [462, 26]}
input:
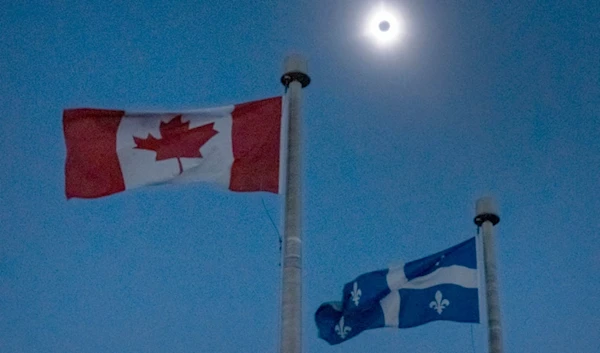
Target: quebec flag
{"type": "Point", "coordinates": [442, 286]}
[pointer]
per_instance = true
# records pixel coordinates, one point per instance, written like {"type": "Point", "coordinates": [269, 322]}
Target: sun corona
{"type": "Point", "coordinates": [384, 26]}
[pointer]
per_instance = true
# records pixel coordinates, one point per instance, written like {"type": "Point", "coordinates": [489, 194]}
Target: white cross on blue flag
{"type": "Point", "coordinates": [442, 286]}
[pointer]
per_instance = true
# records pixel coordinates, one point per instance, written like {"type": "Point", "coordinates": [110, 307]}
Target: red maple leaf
{"type": "Point", "coordinates": [177, 140]}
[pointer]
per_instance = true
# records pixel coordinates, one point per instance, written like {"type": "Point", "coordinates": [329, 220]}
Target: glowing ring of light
{"type": "Point", "coordinates": [384, 37]}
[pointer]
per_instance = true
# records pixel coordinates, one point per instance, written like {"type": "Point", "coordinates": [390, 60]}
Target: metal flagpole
{"type": "Point", "coordinates": [294, 79]}
{"type": "Point", "coordinates": [487, 218]}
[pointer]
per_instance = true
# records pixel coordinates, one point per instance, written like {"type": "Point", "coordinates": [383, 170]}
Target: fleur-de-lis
{"type": "Point", "coordinates": [440, 260]}
{"type": "Point", "coordinates": [356, 293]}
{"type": "Point", "coordinates": [342, 330]}
{"type": "Point", "coordinates": [439, 304]}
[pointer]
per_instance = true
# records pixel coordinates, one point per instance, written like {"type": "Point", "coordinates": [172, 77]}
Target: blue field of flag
{"type": "Point", "coordinates": [442, 286]}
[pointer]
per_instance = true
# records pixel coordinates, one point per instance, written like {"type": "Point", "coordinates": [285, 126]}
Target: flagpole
{"type": "Point", "coordinates": [294, 79]}
{"type": "Point", "coordinates": [487, 218]}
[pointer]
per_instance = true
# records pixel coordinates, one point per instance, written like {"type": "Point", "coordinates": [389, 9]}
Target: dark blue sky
{"type": "Point", "coordinates": [479, 98]}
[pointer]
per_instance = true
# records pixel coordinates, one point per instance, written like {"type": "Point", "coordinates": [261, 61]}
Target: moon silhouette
{"type": "Point", "coordinates": [384, 26]}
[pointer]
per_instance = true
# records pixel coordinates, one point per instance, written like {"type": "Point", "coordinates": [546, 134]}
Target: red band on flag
{"type": "Point", "coordinates": [92, 167]}
{"type": "Point", "coordinates": [256, 135]}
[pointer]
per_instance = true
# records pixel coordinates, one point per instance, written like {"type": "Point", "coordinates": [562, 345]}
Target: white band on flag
{"type": "Point", "coordinates": [390, 305]}
{"type": "Point", "coordinates": [459, 275]}
{"type": "Point", "coordinates": [395, 277]}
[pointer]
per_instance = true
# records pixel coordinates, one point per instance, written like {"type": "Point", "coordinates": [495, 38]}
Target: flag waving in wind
{"type": "Point", "coordinates": [442, 286]}
{"type": "Point", "coordinates": [109, 151]}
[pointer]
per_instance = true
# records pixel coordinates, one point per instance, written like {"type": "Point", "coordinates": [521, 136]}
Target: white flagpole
{"type": "Point", "coordinates": [487, 218]}
{"type": "Point", "coordinates": [294, 79]}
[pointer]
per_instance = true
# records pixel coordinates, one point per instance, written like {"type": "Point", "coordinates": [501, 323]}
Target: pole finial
{"type": "Point", "coordinates": [295, 70]}
{"type": "Point", "coordinates": [486, 210]}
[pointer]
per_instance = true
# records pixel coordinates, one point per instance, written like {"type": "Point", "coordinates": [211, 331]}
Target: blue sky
{"type": "Point", "coordinates": [479, 98]}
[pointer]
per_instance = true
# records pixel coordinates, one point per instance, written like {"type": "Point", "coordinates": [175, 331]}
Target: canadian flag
{"type": "Point", "coordinates": [236, 146]}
